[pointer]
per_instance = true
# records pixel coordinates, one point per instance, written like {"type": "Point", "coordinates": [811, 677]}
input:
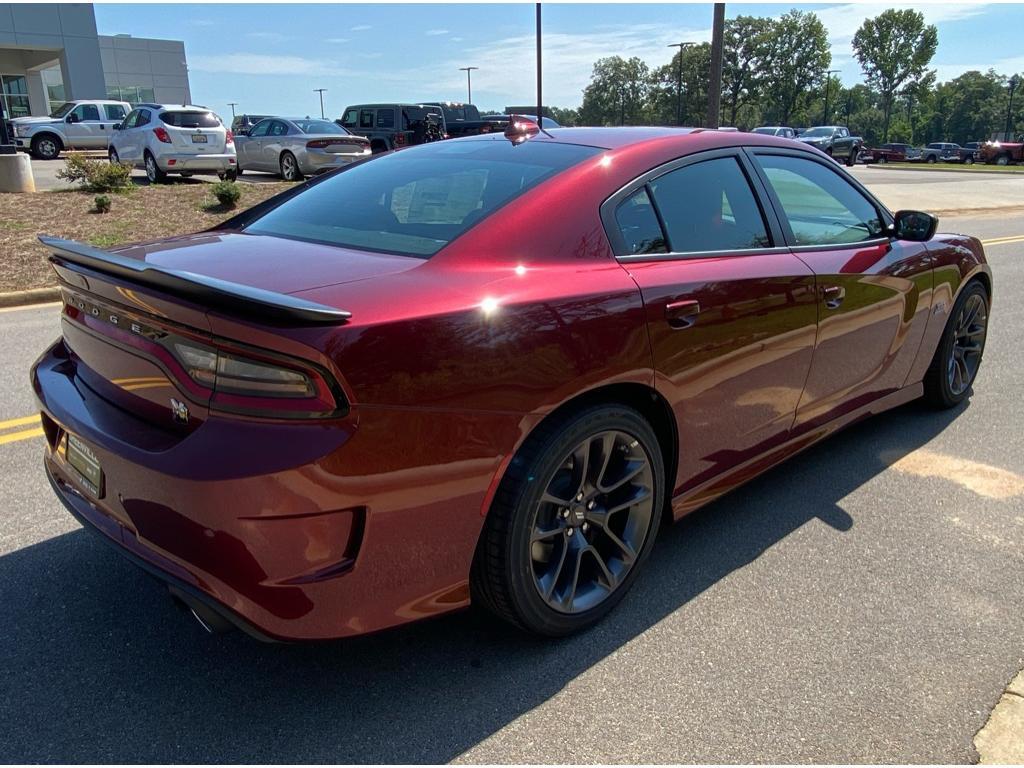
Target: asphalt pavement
{"type": "Point", "coordinates": [861, 603]}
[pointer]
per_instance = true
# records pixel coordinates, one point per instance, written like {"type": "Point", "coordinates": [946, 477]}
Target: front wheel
{"type": "Point", "coordinates": [968, 161]}
{"type": "Point", "coordinates": [112, 157]}
{"type": "Point", "coordinates": [46, 147]}
{"type": "Point", "coordinates": [572, 521]}
{"type": "Point", "coordinates": [1003, 160]}
{"type": "Point", "coordinates": [958, 356]}
{"type": "Point", "coordinates": [883, 160]}
{"type": "Point", "coordinates": [932, 159]}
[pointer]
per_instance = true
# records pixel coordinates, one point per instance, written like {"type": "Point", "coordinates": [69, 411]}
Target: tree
{"type": "Point", "coordinates": [894, 50]}
{"type": "Point", "coordinates": [796, 57]}
{"type": "Point", "coordinates": [696, 61]}
{"type": "Point", "coordinates": [617, 93]}
{"type": "Point", "coordinates": [565, 116]}
{"type": "Point", "coordinates": [746, 42]}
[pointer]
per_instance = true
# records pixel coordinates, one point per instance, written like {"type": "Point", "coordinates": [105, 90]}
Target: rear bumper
{"type": "Point", "coordinates": [182, 162]}
{"type": "Point", "coordinates": [314, 161]}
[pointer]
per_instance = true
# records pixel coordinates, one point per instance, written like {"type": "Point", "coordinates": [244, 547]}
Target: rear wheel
{"type": "Point", "coordinates": [883, 160]}
{"type": "Point", "coordinates": [112, 156]}
{"type": "Point", "coordinates": [153, 172]}
{"type": "Point", "coordinates": [290, 167]}
{"type": "Point", "coordinates": [1003, 160]}
{"type": "Point", "coordinates": [958, 356]}
{"type": "Point", "coordinates": [969, 160]}
{"type": "Point", "coordinates": [932, 159]}
{"type": "Point", "coordinates": [574, 518]}
{"type": "Point", "coordinates": [851, 160]}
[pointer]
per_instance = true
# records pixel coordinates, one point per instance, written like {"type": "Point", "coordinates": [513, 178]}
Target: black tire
{"type": "Point", "coordinates": [968, 160]}
{"type": "Point", "coordinates": [112, 156]}
{"type": "Point", "coordinates": [504, 577]}
{"type": "Point", "coordinates": [1003, 160]}
{"type": "Point", "coordinates": [46, 146]}
{"type": "Point", "coordinates": [377, 146]}
{"type": "Point", "coordinates": [851, 160]}
{"type": "Point", "coordinates": [883, 160]}
{"type": "Point", "coordinates": [945, 387]}
{"type": "Point", "coordinates": [289, 167]}
{"type": "Point", "coordinates": [227, 175]}
{"type": "Point", "coordinates": [238, 171]}
{"type": "Point", "coordinates": [153, 172]}
{"type": "Point", "coordinates": [931, 160]}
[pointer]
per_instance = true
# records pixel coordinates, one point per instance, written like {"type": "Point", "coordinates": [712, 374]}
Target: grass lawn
{"type": "Point", "coordinates": [143, 213]}
{"type": "Point", "coordinates": [959, 167]}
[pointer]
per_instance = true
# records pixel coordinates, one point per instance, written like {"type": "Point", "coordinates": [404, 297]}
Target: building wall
{"type": "Point", "coordinates": [154, 69]}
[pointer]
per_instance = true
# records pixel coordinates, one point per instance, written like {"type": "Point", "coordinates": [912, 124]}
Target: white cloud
{"type": "Point", "coordinates": [457, 39]}
{"type": "Point", "coordinates": [203, 23]}
{"type": "Point", "coordinates": [266, 64]}
{"type": "Point", "coordinates": [338, 40]}
{"type": "Point", "coordinates": [361, 27]}
{"type": "Point", "coordinates": [275, 37]}
{"type": "Point", "coordinates": [436, 32]}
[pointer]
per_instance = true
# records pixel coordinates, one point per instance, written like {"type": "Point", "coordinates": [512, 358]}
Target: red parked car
{"type": "Point", "coordinates": [486, 370]}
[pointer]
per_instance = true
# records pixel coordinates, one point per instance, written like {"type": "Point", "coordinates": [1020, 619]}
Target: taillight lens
{"type": "Point", "coordinates": [229, 137]}
{"type": "Point", "coordinates": [320, 143]}
{"type": "Point", "coordinates": [162, 135]}
{"type": "Point", "coordinates": [256, 387]}
{"type": "Point", "coordinates": [399, 139]}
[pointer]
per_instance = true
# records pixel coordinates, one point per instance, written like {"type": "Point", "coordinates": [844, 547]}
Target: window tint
{"type": "Point", "coordinates": [87, 112]}
{"type": "Point", "coordinates": [143, 118]}
{"type": "Point", "coordinates": [351, 115]}
{"type": "Point", "coordinates": [638, 224]}
{"type": "Point", "coordinates": [709, 206]}
{"type": "Point", "coordinates": [320, 127]}
{"type": "Point", "coordinates": [366, 118]}
{"type": "Point", "coordinates": [822, 208]}
{"type": "Point", "coordinates": [385, 118]}
{"type": "Point", "coordinates": [261, 128]}
{"type": "Point", "coordinates": [129, 121]}
{"type": "Point", "coordinates": [415, 202]}
{"type": "Point", "coordinates": [190, 119]}
{"type": "Point", "coordinates": [114, 111]}
{"type": "Point", "coordinates": [277, 128]}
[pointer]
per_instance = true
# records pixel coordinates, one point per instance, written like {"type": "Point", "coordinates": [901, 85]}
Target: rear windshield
{"type": "Point", "coordinates": [190, 119]}
{"type": "Point", "coordinates": [416, 201]}
{"type": "Point", "coordinates": [321, 127]}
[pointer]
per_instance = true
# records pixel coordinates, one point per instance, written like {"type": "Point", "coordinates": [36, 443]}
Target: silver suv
{"type": "Point", "coordinates": [177, 138]}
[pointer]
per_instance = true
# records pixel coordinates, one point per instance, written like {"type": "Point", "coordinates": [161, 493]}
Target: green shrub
{"type": "Point", "coordinates": [95, 175]}
{"type": "Point", "coordinates": [227, 193]}
{"type": "Point", "coordinates": [102, 204]}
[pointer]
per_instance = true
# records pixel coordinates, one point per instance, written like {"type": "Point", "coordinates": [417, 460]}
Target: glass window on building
{"type": "Point", "coordinates": [53, 82]}
{"type": "Point", "coordinates": [14, 91]}
{"type": "Point", "coordinates": [133, 94]}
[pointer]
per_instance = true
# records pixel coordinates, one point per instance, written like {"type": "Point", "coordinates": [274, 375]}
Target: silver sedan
{"type": "Point", "coordinates": [297, 147]}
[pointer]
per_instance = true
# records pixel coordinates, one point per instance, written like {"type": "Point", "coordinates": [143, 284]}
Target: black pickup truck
{"type": "Point", "coordinates": [465, 119]}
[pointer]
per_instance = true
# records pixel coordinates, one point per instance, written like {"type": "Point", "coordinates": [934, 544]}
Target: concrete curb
{"type": "Point", "coordinates": [30, 296]}
{"type": "Point", "coordinates": [1002, 739]}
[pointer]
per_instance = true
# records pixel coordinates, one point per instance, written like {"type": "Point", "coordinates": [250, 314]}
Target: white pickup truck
{"type": "Point", "coordinates": [85, 124]}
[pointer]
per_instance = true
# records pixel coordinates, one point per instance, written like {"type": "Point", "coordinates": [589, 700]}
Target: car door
{"type": "Point", "coordinates": [250, 150]}
{"type": "Point", "coordinates": [121, 139]}
{"type": "Point", "coordinates": [82, 127]}
{"type": "Point", "coordinates": [272, 145]}
{"type": "Point", "coordinates": [141, 132]}
{"type": "Point", "coordinates": [111, 115]}
{"type": "Point", "coordinates": [731, 312]}
{"type": "Point", "coordinates": [874, 292]}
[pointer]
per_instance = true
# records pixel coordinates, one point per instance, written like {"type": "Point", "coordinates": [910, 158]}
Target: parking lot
{"type": "Point", "coordinates": [861, 603]}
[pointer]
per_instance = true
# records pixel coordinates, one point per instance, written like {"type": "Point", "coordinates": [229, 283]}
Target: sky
{"type": "Point", "coordinates": [270, 57]}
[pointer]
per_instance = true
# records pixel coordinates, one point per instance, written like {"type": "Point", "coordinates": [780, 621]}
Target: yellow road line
{"type": "Point", "coordinates": [1003, 240]}
{"type": "Point", "coordinates": [25, 434]}
{"type": "Point", "coordinates": [19, 422]}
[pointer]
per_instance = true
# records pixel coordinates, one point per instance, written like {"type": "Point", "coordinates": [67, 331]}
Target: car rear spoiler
{"type": "Point", "coordinates": [235, 298]}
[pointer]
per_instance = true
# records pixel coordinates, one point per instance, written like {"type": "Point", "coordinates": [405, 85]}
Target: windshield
{"type": "Point", "coordinates": [64, 108]}
{"type": "Point", "coordinates": [321, 127]}
{"type": "Point", "coordinates": [417, 201]}
{"type": "Point", "coordinates": [818, 132]}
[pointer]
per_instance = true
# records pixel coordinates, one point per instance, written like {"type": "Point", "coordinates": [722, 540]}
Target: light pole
{"type": "Point", "coordinates": [469, 82]}
{"type": "Point", "coordinates": [540, 95]}
{"type": "Point", "coordinates": [1014, 82]}
{"type": "Point", "coordinates": [321, 92]}
{"type": "Point", "coordinates": [232, 104]}
{"type": "Point", "coordinates": [714, 113]}
{"type": "Point", "coordinates": [679, 80]}
{"type": "Point", "coordinates": [828, 82]}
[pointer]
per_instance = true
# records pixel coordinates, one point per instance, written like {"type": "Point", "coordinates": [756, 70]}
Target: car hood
{"type": "Point", "coordinates": [266, 262]}
{"type": "Point", "coordinates": [812, 139]}
{"type": "Point", "coordinates": [34, 120]}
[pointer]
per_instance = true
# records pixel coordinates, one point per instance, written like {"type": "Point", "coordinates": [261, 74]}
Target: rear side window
{"type": "Point", "coordinates": [417, 201]}
{"type": "Point", "coordinates": [366, 118]}
{"type": "Point", "coordinates": [190, 119]}
{"type": "Point", "coordinates": [638, 224]}
{"type": "Point", "coordinates": [385, 118]}
{"type": "Point", "coordinates": [821, 207]}
{"type": "Point", "coordinates": [114, 111]}
{"type": "Point", "coordinates": [709, 206]}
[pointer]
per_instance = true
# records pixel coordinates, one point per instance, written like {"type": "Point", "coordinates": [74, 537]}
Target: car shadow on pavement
{"type": "Point", "coordinates": [99, 666]}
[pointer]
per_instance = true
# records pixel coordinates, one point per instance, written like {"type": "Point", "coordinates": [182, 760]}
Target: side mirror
{"type": "Point", "coordinates": [72, 118]}
{"type": "Point", "coordinates": [117, 126]}
{"type": "Point", "coordinates": [916, 226]}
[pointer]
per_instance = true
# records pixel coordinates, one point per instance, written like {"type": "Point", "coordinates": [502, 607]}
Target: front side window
{"type": "Point", "coordinates": [87, 112]}
{"type": "Point", "coordinates": [130, 120]}
{"type": "Point", "coordinates": [638, 225]}
{"type": "Point", "coordinates": [143, 117]}
{"type": "Point", "coordinates": [261, 128]}
{"type": "Point", "coordinates": [417, 201]}
{"type": "Point", "coordinates": [822, 207]}
{"type": "Point", "coordinates": [709, 206]}
{"type": "Point", "coordinates": [350, 118]}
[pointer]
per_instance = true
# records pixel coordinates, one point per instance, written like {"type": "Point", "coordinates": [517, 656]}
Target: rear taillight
{"type": "Point", "coordinates": [256, 387]}
{"type": "Point", "coordinates": [229, 137]}
{"type": "Point", "coordinates": [400, 139]}
{"type": "Point", "coordinates": [320, 143]}
{"type": "Point", "coordinates": [162, 135]}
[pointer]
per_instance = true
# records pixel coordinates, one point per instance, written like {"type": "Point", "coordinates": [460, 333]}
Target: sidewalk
{"type": "Point", "coordinates": [1002, 738]}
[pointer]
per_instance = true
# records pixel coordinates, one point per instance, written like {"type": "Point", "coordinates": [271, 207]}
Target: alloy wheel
{"type": "Point", "coordinates": [592, 521]}
{"type": "Point", "coordinates": [48, 148]}
{"type": "Point", "coordinates": [150, 168]}
{"type": "Point", "coordinates": [968, 344]}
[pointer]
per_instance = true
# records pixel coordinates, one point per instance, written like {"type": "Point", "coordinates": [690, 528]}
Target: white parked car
{"type": "Point", "coordinates": [182, 139]}
{"type": "Point", "coordinates": [74, 125]}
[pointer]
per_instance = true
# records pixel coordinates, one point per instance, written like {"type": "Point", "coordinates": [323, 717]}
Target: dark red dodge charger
{"type": "Point", "coordinates": [486, 370]}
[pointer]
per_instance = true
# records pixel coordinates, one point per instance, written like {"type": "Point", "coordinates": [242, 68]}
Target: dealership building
{"type": "Point", "coordinates": [50, 54]}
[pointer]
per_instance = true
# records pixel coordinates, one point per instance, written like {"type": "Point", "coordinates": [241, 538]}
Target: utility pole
{"type": "Point", "coordinates": [469, 83]}
{"type": "Point", "coordinates": [679, 80]}
{"type": "Point", "coordinates": [321, 92]}
{"type": "Point", "coordinates": [1014, 82]}
{"type": "Point", "coordinates": [715, 84]}
{"type": "Point", "coordinates": [540, 98]}
{"type": "Point", "coordinates": [232, 104]}
{"type": "Point", "coordinates": [828, 81]}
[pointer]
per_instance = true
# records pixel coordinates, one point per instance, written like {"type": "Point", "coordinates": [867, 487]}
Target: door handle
{"type": "Point", "coordinates": [682, 314]}
{"type": "Point", "coordinates": [834, 295]}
